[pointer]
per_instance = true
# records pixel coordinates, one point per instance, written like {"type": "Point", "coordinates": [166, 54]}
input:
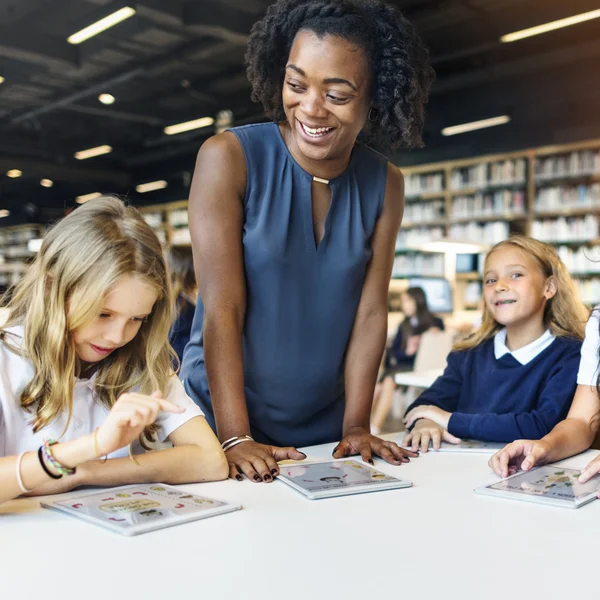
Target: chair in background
{"type": "Point", "coordinates": [430, 362]}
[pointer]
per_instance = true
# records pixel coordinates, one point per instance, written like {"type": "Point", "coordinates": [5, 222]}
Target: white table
{"type": "Point", "coordinates": [421, 379]}
{"type": "Point", "coordinates": [435, 540]}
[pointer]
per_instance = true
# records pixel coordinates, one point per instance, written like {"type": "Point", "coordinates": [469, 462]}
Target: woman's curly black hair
{"type": "Point", "coordinates": [397, 57]}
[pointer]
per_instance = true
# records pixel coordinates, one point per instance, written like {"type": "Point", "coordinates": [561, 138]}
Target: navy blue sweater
{"type": "Point", "coordinates": [502, 400]}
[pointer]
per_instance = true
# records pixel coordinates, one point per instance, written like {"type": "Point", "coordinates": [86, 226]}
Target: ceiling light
{"type": "Point", "coordinates": [4, 213]}
{"type": "Point", "coordinates": [47, 183]}
{"type": "Point", "coordinates": [474, 125]}
{"type": "Point", "coordinates": [91, 152]}
{"type": "Point", "coordinates": [101, 25]}
{"type": "Point", "coordinates": [14, 173]}
{"type": "Point", "coordinates": [525, 33]}
{"type": "Point", "coordinates": [1, 79]}
{"type": "Point", "coordinates": [189, 125]}
{"type": "Point", "coordinates": [106, 98]}
{"type": "Point", "coordinates": [86, 197]}
{"type": "Point", "coordinates": [151, 186]}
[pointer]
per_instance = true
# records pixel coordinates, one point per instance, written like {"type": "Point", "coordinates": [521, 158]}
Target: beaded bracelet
{"type": "Point", "coordinates": [52, 461]}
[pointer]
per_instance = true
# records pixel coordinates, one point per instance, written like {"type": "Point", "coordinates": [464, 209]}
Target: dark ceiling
{"type": "Point", "coordinates": [178, 60]}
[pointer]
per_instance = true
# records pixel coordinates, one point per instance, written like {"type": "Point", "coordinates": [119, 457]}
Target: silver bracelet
{"type": "Point", "coordinates": [19, 478]}
{"type": "Point", "coordinates": [230, 443]}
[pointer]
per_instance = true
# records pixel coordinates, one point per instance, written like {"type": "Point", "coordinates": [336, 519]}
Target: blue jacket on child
{"type": "Point", "coordinates": [499, 399]}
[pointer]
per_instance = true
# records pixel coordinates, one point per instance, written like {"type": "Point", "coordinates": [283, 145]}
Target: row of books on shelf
{"type": "Point", "coordinates": [566, 229]}
{"type": "Point", "coordinates": [415, 184]}
{"type": "Point", "coordinates": [428, 265]}
{"type": "Point", "coordinates": [589, 290]}
{"type": "Point", "coordinates": [580, 261]}
{"type": "Point", "coordinates": [20, 251]}
{"type": "Point", "coordinates": [500, 202]}
{"type": "Point", "coordinates": [18, 236]}
{"type": "Point", "coordinates": [154, 219]}
{"type": "Point", "coordinates": [568, 197]}
{"type": "Point", "coordinates": [573, 164]}
{"type": "Point", "coordinates": [482, 233]}
{"type": "Point", "coordinates": [506, 172]}
{"type": "Point", "coordinates": [424, 211]}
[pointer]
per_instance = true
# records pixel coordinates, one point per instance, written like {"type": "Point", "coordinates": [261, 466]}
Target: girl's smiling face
{"type": "Point", "coordinates": [514, 288]}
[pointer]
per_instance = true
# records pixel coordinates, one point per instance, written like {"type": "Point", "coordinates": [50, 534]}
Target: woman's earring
{"type": "Point", "coordinates": [373, 114]}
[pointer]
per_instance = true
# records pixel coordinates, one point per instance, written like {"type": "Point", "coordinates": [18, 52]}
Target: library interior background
{"type": "Point", "coordinates": [512, 130]}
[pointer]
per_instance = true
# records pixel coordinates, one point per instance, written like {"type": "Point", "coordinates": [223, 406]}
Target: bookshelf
{"type": "Point", "coordinates": [170, 223]}
{"type": "Point", "coordinates": [16, 251]}
{"type": "Point", "coordinates": [551, 193]}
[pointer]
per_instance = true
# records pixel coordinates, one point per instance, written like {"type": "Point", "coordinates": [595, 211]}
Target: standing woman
{"type": "Point", "coordinates": [294, 225]}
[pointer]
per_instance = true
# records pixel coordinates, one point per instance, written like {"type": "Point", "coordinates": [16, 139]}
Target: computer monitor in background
{"type": "Point", "coordinates": [437, 291]}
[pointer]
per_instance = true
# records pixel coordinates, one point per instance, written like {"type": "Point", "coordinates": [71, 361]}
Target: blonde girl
{"type": "Point", "coordinates": [84, 359]}
{"type": "Point", "coordinates": [516, 376]}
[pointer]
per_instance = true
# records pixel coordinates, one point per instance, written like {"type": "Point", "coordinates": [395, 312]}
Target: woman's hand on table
{"type": "Point", "coordinates": [426, 431]}
{"type": "Point", "coordinates": [258, 462]}
{"type": "Point", "coordinates": [520, 454]}
{"type": "Point", "coordinates": [360, 441]}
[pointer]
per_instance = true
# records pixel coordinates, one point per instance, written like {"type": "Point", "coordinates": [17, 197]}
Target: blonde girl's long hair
{"type": "Point", "coordinates": [81, 258]}
{"type": "Point", "coordinates": [564, 315]}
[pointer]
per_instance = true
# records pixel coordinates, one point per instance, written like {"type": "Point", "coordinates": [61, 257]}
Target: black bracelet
{"type": "Point", "coordinates": [48, 471]}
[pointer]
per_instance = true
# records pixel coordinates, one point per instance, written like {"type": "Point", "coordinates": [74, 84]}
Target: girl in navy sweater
{"type": "Point", "coordinates": [516, 376]}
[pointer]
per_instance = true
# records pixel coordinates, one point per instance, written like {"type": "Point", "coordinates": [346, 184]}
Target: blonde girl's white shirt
{"type": "Point", "coordinates": [589, 364]}
{"type": "Point", "coordinates": [16, 433]}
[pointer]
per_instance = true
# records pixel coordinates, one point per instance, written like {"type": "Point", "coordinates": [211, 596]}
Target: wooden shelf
{"type": "Point", "coordinates": [415, 224]}
{"type": "Point", "coordinates": [425, 196]}
{"type": "Point", "coordinates": [542, 181]}
{"type": "Point", "coordinates": [595, 242]}
{"type": "Point", "coordinates": [489, 187]}
{"type": "Point", "coordinates": [486, 218]}
{"type": "Point", "coordinates": [472, 276]}
{"type": "Point", "coordinates": [421, 275]}
{"type": "Point", "coordinates": [567, 212]}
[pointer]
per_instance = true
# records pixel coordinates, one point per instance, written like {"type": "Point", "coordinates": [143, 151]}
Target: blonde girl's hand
{"type": "Point", "coordinates": [593, 468]}
{"type": "Point", "coordinates": [128, 418]}
{"type": "Point", "coordinates": [432, 413]}
{"type": "Point", "coordinates": [426, 431]}
{"type": "Point", "coordinates": [520, 454]}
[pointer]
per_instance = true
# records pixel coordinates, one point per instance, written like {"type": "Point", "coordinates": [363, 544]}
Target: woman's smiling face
{"type": "Point", "coordinates": [326, 94]}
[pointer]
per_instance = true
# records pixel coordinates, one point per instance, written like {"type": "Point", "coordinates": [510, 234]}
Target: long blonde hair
{"type": "Point", "coordinates": [81, 258]}
{"type": "Point", "coordinates": [564, 314]}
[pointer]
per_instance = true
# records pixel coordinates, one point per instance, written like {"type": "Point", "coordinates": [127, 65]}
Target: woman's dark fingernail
{"type": "Point", "coordinates": [273, 471]}
{"type": "Point", "coordinates": [239, 477]}
{"type": "Point", "coordinates": [267, 478]}
{"type": "Point", "coordinates": [370, 461]}
{"type": "Point", "coordinates": [256, 478]}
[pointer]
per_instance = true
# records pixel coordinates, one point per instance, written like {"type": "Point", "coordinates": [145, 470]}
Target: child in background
{"type": "Point", "coordinates": [516, 376]}
{"type": "Point", "coordinates": [185, 290]}
{"type": "Point", "coordinates": [577, 432]}
{"type": "Point", "coordinates": [401, 355]}
{"type": "Point", "coordinates": [85, 359]}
